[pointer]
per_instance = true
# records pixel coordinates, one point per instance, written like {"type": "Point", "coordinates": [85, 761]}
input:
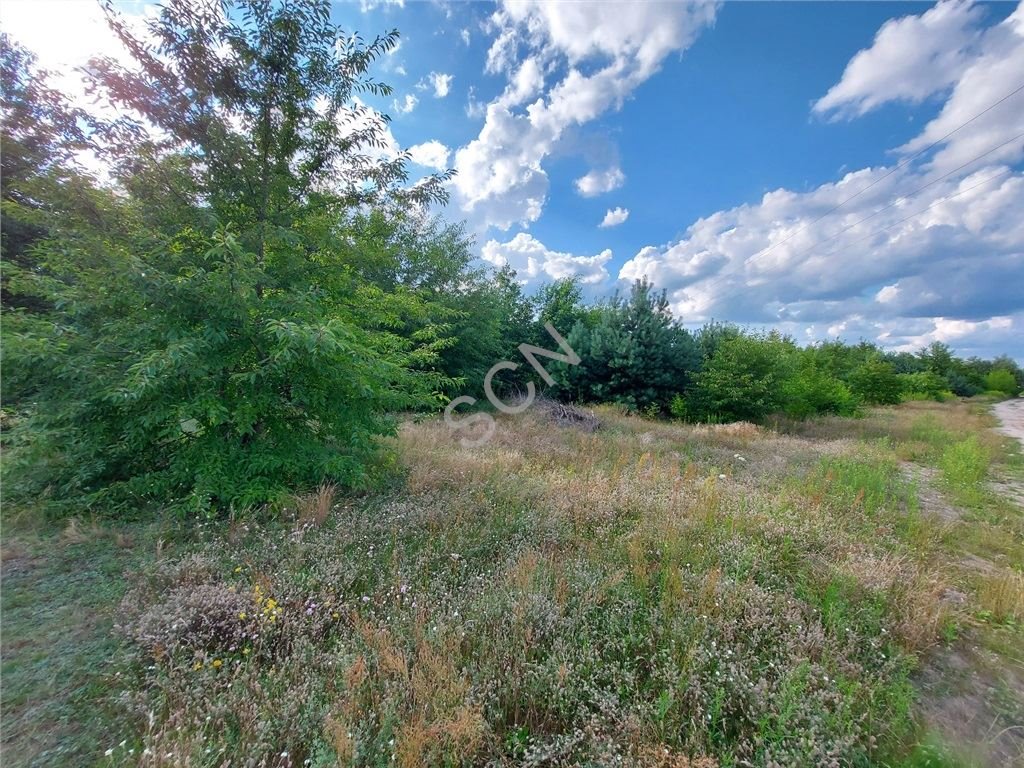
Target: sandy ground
{"type": "Point", "coordinates": [1011, 418]}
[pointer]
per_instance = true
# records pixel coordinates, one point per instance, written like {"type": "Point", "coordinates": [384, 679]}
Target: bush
{"type": "Point", "coordinates": [1002, 380]}
{"type": "Point", "coordinates": [743, 380]}
{"type": "Point", "coordinates": [924, 385]}
{"type": "Point", "coordinates": [811, 392]}
{"type": "Point", "coordinates": [876, 382]}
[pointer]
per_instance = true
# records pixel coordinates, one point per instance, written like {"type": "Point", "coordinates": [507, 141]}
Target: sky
{"type": "Point", "coordinates": [851, 170]}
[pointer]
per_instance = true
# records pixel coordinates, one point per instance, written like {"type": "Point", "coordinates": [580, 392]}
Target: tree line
{"type": "Point", "coordinates": [245, 298]}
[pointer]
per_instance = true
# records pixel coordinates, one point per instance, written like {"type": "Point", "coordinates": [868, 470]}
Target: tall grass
{"type": "Point", "coordinates": [648, 594]}
{"type": "Point", "coordinates": [964, 466]}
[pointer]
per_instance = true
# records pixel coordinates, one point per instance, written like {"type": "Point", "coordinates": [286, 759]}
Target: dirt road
{"type": "Point", "coordinates": [1011, 417]}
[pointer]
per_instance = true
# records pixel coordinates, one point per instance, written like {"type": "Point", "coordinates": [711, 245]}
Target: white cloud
{"type": "Point", "coordinates": [535, 263]}
{"type": "Point", "coordinates": [994, 73]}
{"type": "Point", "coordinates": [406, 105]}
{"type": "Point", "coordinates": [887, 293]}
{"type": "Point", "coordinates": [501, 179]}
{"type": "Point", "coordinates": [901, 262]}
{"type": "Point", "coordinates": [370, 5]}
{"type": "Point", "coordinates": [614, 217]}
{"type": "Point", "coordinates": [439, 82]}
{"type": "Point", "coordinates": [911, 58]}
{"type": "Point", "coordinates": [360, 117]}
{"type": "Point", "coordinates": [465, 36]}
{"type": "Point", "coordinates": [598, 182]}
{"type": "Point", "coordinates": [430, 154]}
{"type": "Point", "coordinates": [64, 36]}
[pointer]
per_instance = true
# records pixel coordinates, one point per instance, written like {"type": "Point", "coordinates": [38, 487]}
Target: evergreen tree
{"type": "Point", "coordinates": [636, 354]}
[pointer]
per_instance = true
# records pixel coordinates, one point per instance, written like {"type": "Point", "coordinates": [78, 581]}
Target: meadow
{"type": "Point", "coordinates": [826, 592]}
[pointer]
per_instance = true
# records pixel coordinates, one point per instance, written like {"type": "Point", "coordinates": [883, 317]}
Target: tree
{"type": "Point", "coordinates": [217, 336]}
{"type": "Point", "coordinates": [635, 355]}
{"type": "Point", "coordinates": [877, 383]}
{"type": "Point", "coordinates": [743, 380]}
{"type": "Point", "coordinates": [561, 304]}
{"type": "Point", "coordinates": [1002, 380]}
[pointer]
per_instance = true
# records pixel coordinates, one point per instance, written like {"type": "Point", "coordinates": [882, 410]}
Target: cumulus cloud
{"type": "Point", "coordinates": [614, 217]}
{"type": "Point", "coordinates": [917, 251]}
{"type": "Point", "coordinates": [464, 34]}
{"type": "Point", "coordinates": [772, 261]}
{"type": "Point", "coordinates": [605, 51]}
{"type": "Point", "coordinates": [430, 154]}
{"type": "Point", "coordinates": [535, 263]}
{"type": "Point", "coordinates": [406, 105]}
{"type": "Point", "coordinates": [598, 182]}
{"type": "Point", "coordinates": [911, 58]}
{"type": "Point", "coordinates": [440, 82]}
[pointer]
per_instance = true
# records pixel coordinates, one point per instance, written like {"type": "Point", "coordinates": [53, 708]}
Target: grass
{"type": "Point", "coordinates": [648, 594]}
{"type": "Point", "coordinates": [964, 466]}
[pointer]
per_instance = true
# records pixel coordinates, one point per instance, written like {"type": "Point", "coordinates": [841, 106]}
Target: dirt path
{"type": "Point", "coordinates": [1011, 417]}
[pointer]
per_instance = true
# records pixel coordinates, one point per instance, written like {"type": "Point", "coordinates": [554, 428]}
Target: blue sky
{"type": "Point", "coordinates": [712, 140]}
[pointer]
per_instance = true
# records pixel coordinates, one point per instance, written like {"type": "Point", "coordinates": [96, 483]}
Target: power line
{"type": "Point", "coordinates": [909, 194]}
{"type": "Point", "coordinates": [895, 168]}
{"type": "Point", "coordinates": [992, 178]}
{"type": "Point", "coordinates": [747, 262]}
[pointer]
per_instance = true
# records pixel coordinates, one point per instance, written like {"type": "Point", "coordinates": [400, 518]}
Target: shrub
{"type": "Point", "coordinates": [876, 382]}
{"type": "Point", "coordinates": [812, 392]}
{"type": "Point", "coordinates": [742, 381]}
{"type": "Point", "coordinates": [1002, 380]}
{"type": "Point", "coordinates": [923, 385]}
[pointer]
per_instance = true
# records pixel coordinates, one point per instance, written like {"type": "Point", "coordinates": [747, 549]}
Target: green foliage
{"type": "Point", "coordinates": [635, 355]}
{"type": "Point", "coordinates": [241, 324]}
{"type": "Point", "coordinates": [924, 385]}
{"type": "Point", "coordinates": [810, 392]}
{"type": "Point", "coordinates": [1002, 380]}
{"type": "Point", "coordinates": [743, 380]}
{"type": "Point", "coordinates": [876, 382]}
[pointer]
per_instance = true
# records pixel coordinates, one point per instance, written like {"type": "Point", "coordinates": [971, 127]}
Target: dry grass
{"type": "Point", "coordinates": [1001, 595]}
{"type": "Point", "coordinates": [648, 594]}
{"type": "Point", "coordinates": [313, 509]}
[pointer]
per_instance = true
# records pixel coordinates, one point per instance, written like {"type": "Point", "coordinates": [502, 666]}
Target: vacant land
{"type": "Point", "coordinates": [829, 592]}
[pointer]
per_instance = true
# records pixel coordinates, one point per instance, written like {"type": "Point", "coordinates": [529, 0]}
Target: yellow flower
{"type": "Point", "coordinates": [217, 663]}
{"type": "Point", "coordinates": [336, 615]}
{"type": "Point", "coordinates": [245, 651]}
{"type": "Point", "coordinates": [241, 615]}
{"type": "Point", "coordinates": [238, 569]}
{"type": "Point", "coordinates": [197, 666]}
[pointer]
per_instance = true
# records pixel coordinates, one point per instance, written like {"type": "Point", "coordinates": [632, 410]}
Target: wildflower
{"type": "Point", "coordinates": [217, 663]}
{"type": "Point", "coordinates": [197, 666]}
{"type": "Point", "coordinates": [238, 569]}
{"type": "Point", "coordinates": [242, 615]}
{"type": "Point", "coordinates": [721, 477]}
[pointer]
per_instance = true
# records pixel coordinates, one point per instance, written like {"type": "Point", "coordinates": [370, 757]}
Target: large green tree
{"type": "Point", "coordinates": [222, 331]}
{"type": "Point", "coordinates": [635, 354]}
